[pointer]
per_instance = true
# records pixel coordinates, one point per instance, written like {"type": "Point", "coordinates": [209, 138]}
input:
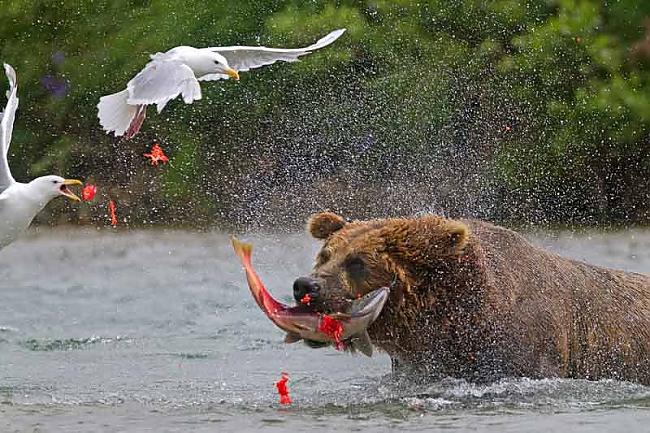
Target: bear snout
{"type": "Point", "coordinates": [305, 286]}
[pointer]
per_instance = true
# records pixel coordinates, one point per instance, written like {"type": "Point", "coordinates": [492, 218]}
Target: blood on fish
{"type": "Point", "coordinates": [88, 192]}
{"type": "Point", "coordinates": [333, 328]}
{"type": "Point", "coordinates": [306, 300]}
{"type": "Point", "coordinates": [156, 155]}
{"type": "Point", "coordinates": [282, 389]}
{"type": "Point", "coordinates": [111, 210]}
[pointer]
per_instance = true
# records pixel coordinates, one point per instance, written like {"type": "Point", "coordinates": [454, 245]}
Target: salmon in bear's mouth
{"type": "Point", "coordinates": [302, 323]}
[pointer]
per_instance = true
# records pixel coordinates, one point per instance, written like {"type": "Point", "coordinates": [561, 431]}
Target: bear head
{"type": "Point", "coordinates": [419, 259]}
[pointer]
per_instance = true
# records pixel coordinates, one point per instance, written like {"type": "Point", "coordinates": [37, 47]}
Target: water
{"type": "Point", "coordinates": [155, 331]}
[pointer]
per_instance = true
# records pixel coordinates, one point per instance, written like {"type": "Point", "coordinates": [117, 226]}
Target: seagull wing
{"type": "Point", "coordinates": [161, 81]}
{"type": "Point", "coordinates": [6, 128]}
{"type": "Point", "coordinates": [213, 77]}
{"type": "Point", "coordinates": [242, 58]}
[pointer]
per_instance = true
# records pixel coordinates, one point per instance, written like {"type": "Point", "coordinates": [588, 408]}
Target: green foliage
{"type": "Point", "coordinates": [550, 99]}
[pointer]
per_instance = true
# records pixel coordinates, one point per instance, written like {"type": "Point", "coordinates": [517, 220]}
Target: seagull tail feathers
{"type": "Point", "coordinates": [115, 114]}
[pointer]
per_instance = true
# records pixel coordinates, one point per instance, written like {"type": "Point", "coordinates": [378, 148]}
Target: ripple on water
{"type": "Point", "coordinates": [52, 345]}
{"type": "Point", "coordinates": [521, 393]}
{"type": "Point", "coordinates": [257, 344]}
{"type": "Point", "coordinates": [191, 355]}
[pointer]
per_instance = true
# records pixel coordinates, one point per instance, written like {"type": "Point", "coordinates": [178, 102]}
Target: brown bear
{"type": "Point", "coordinates": [473, 300]}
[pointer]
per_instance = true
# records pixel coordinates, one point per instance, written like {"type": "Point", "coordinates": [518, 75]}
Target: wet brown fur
{"type": "Point", "coordinates": [477, 301]}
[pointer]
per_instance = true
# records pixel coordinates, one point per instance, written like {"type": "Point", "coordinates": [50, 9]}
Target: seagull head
{"type": "Point", "coordinates": [222, 67]}
{"type": "Point", "coordinates": [52, 186]}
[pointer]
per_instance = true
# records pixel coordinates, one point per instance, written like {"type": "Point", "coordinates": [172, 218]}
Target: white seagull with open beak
{"type": "Point", "coordinates": [178, 72]}
{"type": "Point", "coordinates": [20, 202]}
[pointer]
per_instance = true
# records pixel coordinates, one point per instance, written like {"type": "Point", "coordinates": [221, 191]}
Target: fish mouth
{"type": "Point", "coordinates": [65, 191]}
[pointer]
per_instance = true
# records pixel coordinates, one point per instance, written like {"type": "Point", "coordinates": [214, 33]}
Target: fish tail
{"type": "Point", "coordinates": [242, 249]}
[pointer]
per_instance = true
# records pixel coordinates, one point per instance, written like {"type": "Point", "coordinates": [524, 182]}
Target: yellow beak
{"type": "Point", "coordinates": [232, 74]}
{"type": "Point", "coordinates": [66, 192]}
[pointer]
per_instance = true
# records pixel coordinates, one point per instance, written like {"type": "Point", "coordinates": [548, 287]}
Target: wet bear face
{"type": "Point", "coordinates": [358, 257]}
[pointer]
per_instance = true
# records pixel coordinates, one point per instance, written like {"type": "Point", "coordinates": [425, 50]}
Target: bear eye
{"type": "Point", "coordinates": [324, 256]}
{"type": "Point", "coordinates": [356, 268]}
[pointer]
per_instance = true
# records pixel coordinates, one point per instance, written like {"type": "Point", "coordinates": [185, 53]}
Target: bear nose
{"type": "Point", "coordinates": [305, 286]}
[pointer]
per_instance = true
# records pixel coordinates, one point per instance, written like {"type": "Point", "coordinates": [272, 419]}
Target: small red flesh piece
{"type": "Point", "coordinates": [111, 210]}
{"type": "Point", "coordinates": [282, 389]}
{"type": "Point", "coordinates": [156, 155]}
{"type": "Point", "coordinates": [88, 192]}
{"type": "Point", "coordinates": [306, 300]}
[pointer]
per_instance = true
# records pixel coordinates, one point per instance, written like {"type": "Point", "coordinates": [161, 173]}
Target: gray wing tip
{"type": "Point", "coordinates": [11, 73]}
{"type": "Point", "coordinates": [334, 35]}
{"type": "Point", "coordinates": [327, 39]}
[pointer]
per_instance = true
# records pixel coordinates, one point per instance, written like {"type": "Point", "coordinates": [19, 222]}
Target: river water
{"type": "Point", "coordinates": [156, 331]}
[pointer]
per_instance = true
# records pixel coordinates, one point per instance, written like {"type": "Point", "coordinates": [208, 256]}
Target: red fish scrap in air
{"type": "Point", "coordinates": [282, 389]}
{"type": "Point", "coordinates": [111, 210]}
{"type": "Point", "coordinates": [156, 155]}
{"type": "Point", "coordinates": [88, 192]}
{"type": "Point", "coordinates": [333, 328]}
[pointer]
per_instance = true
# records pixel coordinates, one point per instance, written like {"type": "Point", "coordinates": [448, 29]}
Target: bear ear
{"type": "Point", "coordinates": [426, 239]}
{"type": "Point", "coordinates": [455, 240]}
{"type": "Point", "coordinates": [322, 225]}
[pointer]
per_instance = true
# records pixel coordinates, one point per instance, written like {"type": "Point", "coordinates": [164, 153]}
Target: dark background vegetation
{"type": "Point", "coordinates": [532, 112]}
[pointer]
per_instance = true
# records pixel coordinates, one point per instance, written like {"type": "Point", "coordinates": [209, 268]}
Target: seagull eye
{"type": "Point", "coordinates": [55, 182]}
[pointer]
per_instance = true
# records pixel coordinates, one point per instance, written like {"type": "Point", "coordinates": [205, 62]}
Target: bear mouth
{"type": "Point", "coordinates": [302, 323]}
{"type": "Point", "coordinates": [360, 314]}
{"type": "Point", "coordinates": [335, 299]}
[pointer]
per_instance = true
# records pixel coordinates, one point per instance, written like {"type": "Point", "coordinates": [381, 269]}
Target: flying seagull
{"type": "Point", "coordinates": [20, 202]}
{"type": "Point", "coordinates": [178, 72]}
